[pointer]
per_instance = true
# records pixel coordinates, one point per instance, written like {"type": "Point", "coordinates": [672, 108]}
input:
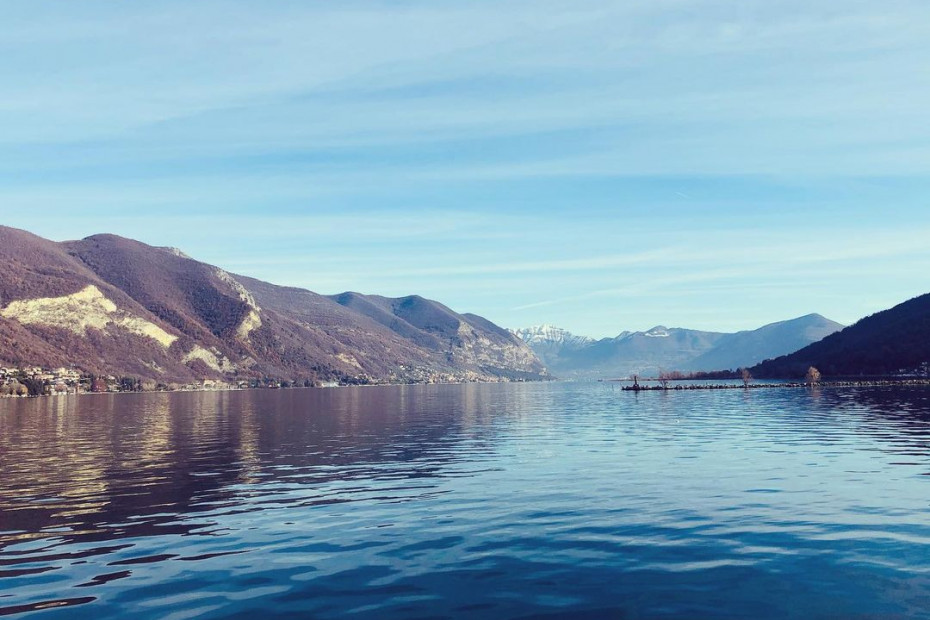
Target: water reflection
{"type": "Point", "coordinates": [74, 464]}
{"type": "Point", "coordinates": [400, 501]}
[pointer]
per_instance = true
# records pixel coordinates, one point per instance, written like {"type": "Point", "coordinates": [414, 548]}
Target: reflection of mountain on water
{"type": "Point", "coordinates": [114, 466]}
{"type": "Point", "coordinates": [899, 416]}
{"type": "Point", "coordinates": [905, 404]}
{"type": "Point", "coordinates": [105, 467]}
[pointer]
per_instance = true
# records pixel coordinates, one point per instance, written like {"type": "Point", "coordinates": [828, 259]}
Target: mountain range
{"type": "Point", "coordinates": [111, 305]}
{"type": "Point", "coordinates": [661, 348]}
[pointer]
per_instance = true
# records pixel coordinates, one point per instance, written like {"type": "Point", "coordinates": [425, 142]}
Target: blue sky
{"type": "Point", "coordinates": [603, 166]}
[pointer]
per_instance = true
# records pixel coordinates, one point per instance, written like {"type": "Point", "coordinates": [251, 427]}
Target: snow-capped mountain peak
{"type": "Point", "coordinates": [546, 334]}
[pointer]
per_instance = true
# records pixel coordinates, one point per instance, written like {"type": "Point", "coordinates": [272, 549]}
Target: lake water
{"type": "Point", "coordinates": [524, 500]}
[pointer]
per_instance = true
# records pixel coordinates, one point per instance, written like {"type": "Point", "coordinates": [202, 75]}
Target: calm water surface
{"type": "Point", "coordinates": [537, 500]}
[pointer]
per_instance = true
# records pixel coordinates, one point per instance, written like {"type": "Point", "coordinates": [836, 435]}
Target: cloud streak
{"type": "Point", "coordinates": [593, 164]}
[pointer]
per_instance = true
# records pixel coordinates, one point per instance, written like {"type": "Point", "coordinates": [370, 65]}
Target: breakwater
{"type": "Point", "coordinates": [786, 385]}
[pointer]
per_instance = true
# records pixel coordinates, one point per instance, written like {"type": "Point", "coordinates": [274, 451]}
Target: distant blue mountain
{"type": "Point", "coordinates": [662, 348]}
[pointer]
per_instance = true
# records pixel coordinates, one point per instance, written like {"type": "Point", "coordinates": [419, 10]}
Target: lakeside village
{"type": "Point", "coordinates": [37, 381]}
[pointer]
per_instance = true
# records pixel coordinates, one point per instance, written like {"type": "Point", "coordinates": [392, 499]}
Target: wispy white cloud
{"type": "Point", "coordinates": [504, 156]}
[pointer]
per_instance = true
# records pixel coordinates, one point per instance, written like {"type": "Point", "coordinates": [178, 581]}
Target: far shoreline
{"type": "Point", "coordinates": [683, 385]}
{"type": "Point", "coordinates": [262, 389]}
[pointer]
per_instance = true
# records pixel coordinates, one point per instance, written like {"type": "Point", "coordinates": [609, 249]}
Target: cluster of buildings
{"type": "Point", "coordinates": [38, 381]}
{"type": "Point", "coordinates": [420, 375]}
{"type": "Point", "coordinates": [29, 379]}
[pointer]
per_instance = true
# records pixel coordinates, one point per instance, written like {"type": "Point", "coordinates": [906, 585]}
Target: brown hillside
{"type": "Point", "coordinates": [114, 305]}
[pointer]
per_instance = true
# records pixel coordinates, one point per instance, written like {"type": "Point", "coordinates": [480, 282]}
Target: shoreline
{"type": "Point", "coordinates": [786, 385]}
{"type": "Point", "coordinates": [683, 386]}
{"type": "Point", "coordinates": [261, 389]}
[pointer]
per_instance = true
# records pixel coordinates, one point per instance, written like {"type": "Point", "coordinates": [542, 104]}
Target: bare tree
{"type": "Point", "coordinates": [812, 376]}
{"type": "Point", "coordinates": [664, 378]}
{"type": "Point", "coordinates": [746, 376]}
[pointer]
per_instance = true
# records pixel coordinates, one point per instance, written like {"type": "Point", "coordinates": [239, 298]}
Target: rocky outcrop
{"type": "Point", "coordinates": [78, 312]}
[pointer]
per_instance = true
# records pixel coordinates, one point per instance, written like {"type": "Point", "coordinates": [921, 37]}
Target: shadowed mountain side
{"type": "Point", "coordinates": [183, 292]}
{"type": "Point", "coordinates": [888, 342]}
{"type": "Point", "coordinates": [381, 310]}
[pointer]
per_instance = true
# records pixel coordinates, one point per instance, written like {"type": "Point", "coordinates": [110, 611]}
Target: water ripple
{"type": "Point", "coordinates": [545, 500]}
